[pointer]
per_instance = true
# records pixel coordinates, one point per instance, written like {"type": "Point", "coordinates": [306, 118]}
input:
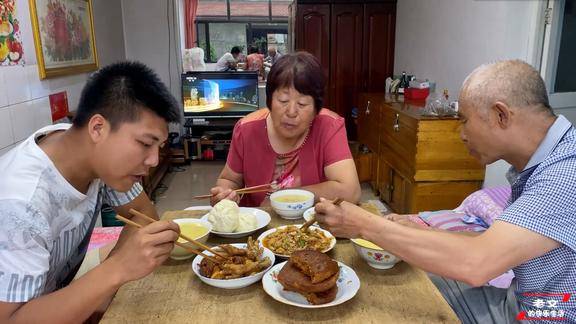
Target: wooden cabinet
{"type": "Point", "coordinates": [345, 60]}
{"type": "Point", "coordinates": [378, 45]}
{"type": "Point", "coordinates": [393, 188]}
{"type": "Point", "coordinates": [421, 162]}
{"type": "Point", "coordinates": [354, 41]}
{"type": "Point", "coordinates": [313, 29]}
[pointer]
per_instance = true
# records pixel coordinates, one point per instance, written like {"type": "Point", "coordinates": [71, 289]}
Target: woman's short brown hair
{"type": "Point", "coordinates": [300, 70]}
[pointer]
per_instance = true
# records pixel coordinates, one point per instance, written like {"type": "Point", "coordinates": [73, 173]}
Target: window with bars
{"type": "Point", "coordinates": [222, 24]}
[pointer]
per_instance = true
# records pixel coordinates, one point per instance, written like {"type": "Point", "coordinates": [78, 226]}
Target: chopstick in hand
{"type": "Point", "coordinates": [152, 220]}
{"type": "Point", "coordinates": [202, 197]}
{"type": "Point", "coordinates": [248, 190]}
{"type": "Point", "coordinates": [245, 191]}
{"type": "Point", "coordinates": [312, 220]}
{"type": "Point", "coordinates": [259, 187]}
{"type": "Point", "coordinates": [184, 246]}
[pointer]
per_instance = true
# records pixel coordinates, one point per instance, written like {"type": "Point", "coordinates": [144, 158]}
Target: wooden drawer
{"type": "Point", "coordinates": [399, 125]}
{"type": "Point", "coordinates": [399, 135]}
{"type": "Point", "coordinates": [430, 196]}
{"type": "Point", "coordinates": [427, 150]}
{"type": "Point", "coordinates": [400, 163]}
{"type": "Point", "coordinates": [441, 154]}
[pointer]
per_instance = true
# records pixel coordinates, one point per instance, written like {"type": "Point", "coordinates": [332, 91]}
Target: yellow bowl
{"type": "Point", "coordinates": [375, 256]}
{"type": "Point", "coordinates": [196, 229]}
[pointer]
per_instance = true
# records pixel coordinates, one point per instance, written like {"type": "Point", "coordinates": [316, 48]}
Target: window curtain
{"type": "Point", "coordinates": [190, 8]}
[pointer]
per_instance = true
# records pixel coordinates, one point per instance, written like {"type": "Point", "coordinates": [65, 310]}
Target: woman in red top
{"type": "Point", "coordinates": [294, 138]}
{"type": "Point", "coordinates": [254, 61]}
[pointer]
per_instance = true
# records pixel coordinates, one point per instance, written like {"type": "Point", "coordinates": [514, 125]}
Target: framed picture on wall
{"type": "Point", "coordinates": [10, 38]}
{"type": "Point", "coordinates": [63, 37]}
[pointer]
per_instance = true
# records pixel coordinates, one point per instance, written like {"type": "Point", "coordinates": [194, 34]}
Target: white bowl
{"type": "Point", "coordinates": [262, 220]}
{"type": "Point", "coordinates": [376, 258]}
{"type": "Point", "coordinates": [232, 283]}
{"type": "Point", "coordinates": [326, 233]}
{"type": "Point", "coordinates": [291, 210]}
{"type": "Point", "coordinates": [180, 253]}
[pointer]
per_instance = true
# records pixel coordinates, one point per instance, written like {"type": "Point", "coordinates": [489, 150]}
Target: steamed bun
{"type": "Point", "coordinates": [247, 222]}
{"type": "Point", "coordinates": [224, 216]}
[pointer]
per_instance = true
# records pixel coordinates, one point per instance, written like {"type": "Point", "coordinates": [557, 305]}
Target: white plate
{"type": "Point", "coordinates": [270, 231]}
{"type": "Point", "coordinates": [308, 214]}
{"type": "Point", "coordinates": [206, 208]}
{"type": "Point", "coordinates": [348, 285]}
{"type": "Point", "coordinates": [232, 283]}
{"type": "Point", "coordinates": [262, 220]}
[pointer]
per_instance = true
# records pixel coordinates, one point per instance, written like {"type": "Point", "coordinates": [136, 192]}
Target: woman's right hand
{"type": "Point", "coordinates": [219, 193]}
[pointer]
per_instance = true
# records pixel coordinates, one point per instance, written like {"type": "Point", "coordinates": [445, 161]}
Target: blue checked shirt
{"type": "Point", "coordinates": [543, 200]}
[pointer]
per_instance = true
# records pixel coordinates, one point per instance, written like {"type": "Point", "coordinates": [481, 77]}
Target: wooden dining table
{"type": "Point", "coordinates": [173, 294]}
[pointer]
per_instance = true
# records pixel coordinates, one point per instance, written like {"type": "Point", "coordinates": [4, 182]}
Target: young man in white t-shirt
{"type": "Point", "coordinates": [52, 187]}
{"type": "Point", "coordinates": [228, 61]}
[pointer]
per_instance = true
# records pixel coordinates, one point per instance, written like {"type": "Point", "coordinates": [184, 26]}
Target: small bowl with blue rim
{"type": "Point", "coordinates": [291, 203]}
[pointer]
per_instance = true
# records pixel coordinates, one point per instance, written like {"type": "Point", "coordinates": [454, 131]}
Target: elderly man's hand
{"type": "Point", "coordinates": [345, 220]}
{"type": "Point", "coordinates": [405, 220]}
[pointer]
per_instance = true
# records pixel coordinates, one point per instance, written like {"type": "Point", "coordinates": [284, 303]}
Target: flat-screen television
{"type": "Point", "coordinates": [219, 93]}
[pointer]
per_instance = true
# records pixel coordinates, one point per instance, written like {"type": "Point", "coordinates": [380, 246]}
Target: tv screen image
{"type": "Point", "coordinates": [219, 93]}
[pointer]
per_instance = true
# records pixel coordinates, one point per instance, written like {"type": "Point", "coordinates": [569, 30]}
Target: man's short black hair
{"type": "Point", "coordinates": [235, 50]}
{"type": "Point", "coordinates": [119, 92]}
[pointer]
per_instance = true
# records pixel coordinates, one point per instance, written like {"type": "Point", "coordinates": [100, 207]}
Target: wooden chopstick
{"type": "Point", "coordinates": [267, 186]}
{"type": "Point", "coordinates": [184, 246]}
{"type": "Point", "coordinates": [248, 190]}
{"type": "Point", "coordinates": [205, 247]}
{"type": "Point", "coordinates": [252, 191]}
{"type": "Point", "coordinates": [337, 201]}
{"type": "Point", "coordinates": [202, 197]}
{"type": "Point", "coordinates": [309, 223]}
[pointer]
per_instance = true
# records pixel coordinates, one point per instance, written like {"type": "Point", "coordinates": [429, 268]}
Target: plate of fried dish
{"type": "Point", "coordinates": [246, 264]}
{"type": "Point", "coordinates": [311, 279]}
{"type": "Point", "coordinates": [285, 240]}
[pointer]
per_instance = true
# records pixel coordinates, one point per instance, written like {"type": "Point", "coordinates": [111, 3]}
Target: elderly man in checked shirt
{"type": "Point", "coordinates": [505, 114]}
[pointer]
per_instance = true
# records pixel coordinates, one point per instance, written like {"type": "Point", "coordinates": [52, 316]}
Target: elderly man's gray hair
{"type": "Point", "coordinates": [513, 82]}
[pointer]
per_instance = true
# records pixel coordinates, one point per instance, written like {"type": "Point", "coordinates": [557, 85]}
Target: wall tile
{"type": "Point", "coordinates": [6, 133]}
{"type": "Point", "coordinates": [37, 87]}
{"type": "Point", "coordinates": [3, 91]}
{"type": "Point", "coordinates": [42, 113]}
{"type": "Point", "coordinates": [74, 93]}
{"type": "Point", "coordinates": [15, 84]}
{"type": "Point", "coordinates": [22, 117]}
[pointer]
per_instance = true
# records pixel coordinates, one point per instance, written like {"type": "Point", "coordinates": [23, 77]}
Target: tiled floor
{"type": "Point", "coordinates": [197, 179]}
